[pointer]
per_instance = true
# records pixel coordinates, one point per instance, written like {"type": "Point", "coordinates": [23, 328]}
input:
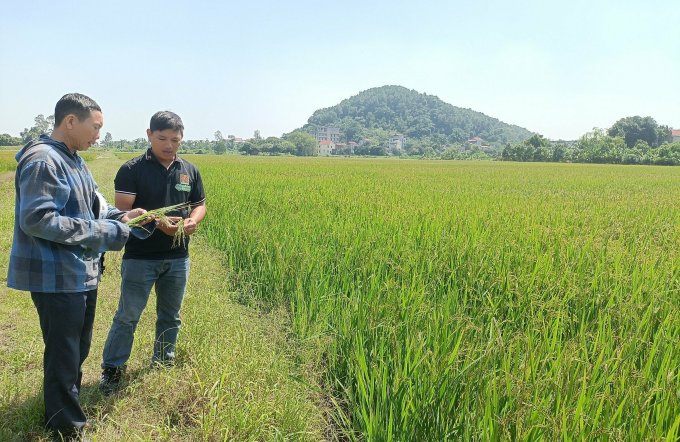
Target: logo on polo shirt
{"type": "Point", "coordinates": [183, 185]}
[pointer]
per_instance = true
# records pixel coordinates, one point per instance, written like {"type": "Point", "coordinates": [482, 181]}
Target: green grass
{"type": "Point", "coordinates": [7, 161]}
{"type": "Point", "coordinates": [237, 377]}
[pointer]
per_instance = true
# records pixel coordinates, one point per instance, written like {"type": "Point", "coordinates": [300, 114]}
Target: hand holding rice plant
{"type": "Point", "coordinates": [159, 214]}
{"type": "Point", "coordinates": [170, 225]}
{"type": "Point", "coordinates": [132, 214]}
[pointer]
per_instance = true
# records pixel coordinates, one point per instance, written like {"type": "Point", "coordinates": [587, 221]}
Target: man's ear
{"type": "Point", "coordinates": [69, 120]}
{"type": "Point", "coordinates": [148, 134]}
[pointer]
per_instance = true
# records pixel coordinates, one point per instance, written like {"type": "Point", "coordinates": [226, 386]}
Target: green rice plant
{"type": "Point", "coordinates": [160, 214]}
{"type": "Point", "coordinates": [88, 156]}
{"type": "Point", "coordinates": [7, 161]}
{"type": "Point", "coordinates": [467, 301]}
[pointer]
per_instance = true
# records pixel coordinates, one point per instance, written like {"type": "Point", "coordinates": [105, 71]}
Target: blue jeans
{"type": "Point", "coordinates": [138, 276]}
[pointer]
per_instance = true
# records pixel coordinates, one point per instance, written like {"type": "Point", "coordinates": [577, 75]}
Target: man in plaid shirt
{"type": "Point", "coordinates": [58, 239]}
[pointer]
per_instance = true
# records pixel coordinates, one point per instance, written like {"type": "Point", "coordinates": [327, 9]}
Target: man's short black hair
{"type": "Point", "coordinates": [78, 104]}
{"type": "Point", "coordinates": [166, 120]}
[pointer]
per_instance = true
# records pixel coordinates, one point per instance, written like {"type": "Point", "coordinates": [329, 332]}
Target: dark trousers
{"type": "Point", "coordinates": [66, 321]}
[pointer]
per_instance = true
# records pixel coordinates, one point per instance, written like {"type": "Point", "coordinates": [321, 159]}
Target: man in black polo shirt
{"type": "Point", "coordinates": [158, 178]}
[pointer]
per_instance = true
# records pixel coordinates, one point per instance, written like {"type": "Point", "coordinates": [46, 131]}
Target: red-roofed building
{"type": "Point", "coordinates": [676, 134]}
{"type": "Point", "coordinates": [476, 141]}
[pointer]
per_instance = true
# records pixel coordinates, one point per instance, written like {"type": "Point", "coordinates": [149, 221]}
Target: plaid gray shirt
{"type": "Point", "coordinates": [57, 237]}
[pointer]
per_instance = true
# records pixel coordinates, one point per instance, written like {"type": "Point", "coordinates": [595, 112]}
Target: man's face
{"type": "Point", "coordinates": [84, 134]}
{"type": "Point", "coordinates": [164, 143]}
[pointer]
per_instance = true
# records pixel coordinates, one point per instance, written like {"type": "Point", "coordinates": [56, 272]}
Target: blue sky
{"type": "Point", "coordinates": [557, 68]}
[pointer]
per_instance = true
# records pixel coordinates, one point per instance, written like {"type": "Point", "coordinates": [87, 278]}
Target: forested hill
{"type": "Point", "coordinates": [396, 109]}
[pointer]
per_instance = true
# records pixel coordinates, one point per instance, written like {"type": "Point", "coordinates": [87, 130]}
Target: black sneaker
{"type": "Point", "coordinates": [158, 364]}
{"type": "Point", "coordinates": [109, 383]}
{"type": "Point", "coordinates": [77, 435]}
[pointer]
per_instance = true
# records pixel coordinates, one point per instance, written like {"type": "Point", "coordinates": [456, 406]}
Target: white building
{"type": "Point", "coordinates": [397, 141]}
{"type": "Point", "coordinates": [326, 147]}
{"type": "Point", "coordinates": [327, 134]}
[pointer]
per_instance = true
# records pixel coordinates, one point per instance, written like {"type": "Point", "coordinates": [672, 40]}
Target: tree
{"type": "Point", "coordinates": [597, 147]}
{"type": "Point", "coordinates": [364, 148]}
{"type": "Point", "coordinates": [220, 145]}
{"type": "Point", "coordinates": [108, 138]}
{"type": "Point", "coordinates": [305, 144]}
{"type": "Point", "coordinates": [537, 140]}
{"type": "Point", "coordinates": [42, 126]}
{"type": "Point", "coordinates": [559, 153]}
{"type": "Point", "coordinates": [285, 146]}
{"type": "Point", "coordinates": [352, 131]}
{"type": "Point", "coordinates": [396, 151]}
{"type": "Point", "coordinates": [665, 135]}
{"type": "Point", "coordinates": [378, 150]}
{"type": "Point", "coordinates": [636, 128]}
{"type": "Point", "coordinates": [249, 148]}
{"type": "Point", "coordinates": [230, 142]}
{"type": "Point", "coordinates": [256, 135]}
{"type": "Point", "coordinates": [140, 143]}
{"type": "Point", "coordinates": [8, 140]}
{"type": "Point", "coordinates": [535, 148]}
{"type": "Point", "coordinates": [669, 154]}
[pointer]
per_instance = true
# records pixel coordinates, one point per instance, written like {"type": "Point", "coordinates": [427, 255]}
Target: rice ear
{"type": "Point", "coordinates": [156, 214]}
{"type": "Point", "coordinates": [160, 215]}
{"type": "Point", "coordinates": [180, 238]}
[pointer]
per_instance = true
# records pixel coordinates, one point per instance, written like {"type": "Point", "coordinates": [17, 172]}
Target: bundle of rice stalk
{"type": "Point", "coordinates": [161, 216]}
{"type": "Point", "coordinates": [180, 237]}
{"type": "Point", "coordinates": [156, 214]}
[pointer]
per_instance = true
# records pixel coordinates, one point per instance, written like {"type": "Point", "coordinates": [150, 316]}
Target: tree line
{"type": "Point", "coordinates": [631, 140]}
{"type": "Point", "coordinates": [297, 142]}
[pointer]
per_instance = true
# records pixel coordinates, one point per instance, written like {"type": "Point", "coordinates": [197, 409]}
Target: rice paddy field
{"type": "Point", "coordinates": [7, 162]}
{"type": "Point", "coordinates": [426, 301]}
{"type": "Point", "coordinates": [467, 301]}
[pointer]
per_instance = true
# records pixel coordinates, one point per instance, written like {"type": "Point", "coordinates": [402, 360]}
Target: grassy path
{"type": "Point", "coordinates": [236, 377]}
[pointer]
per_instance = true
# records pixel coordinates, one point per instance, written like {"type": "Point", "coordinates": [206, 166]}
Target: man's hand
{"type": "Point", "coordinates": [132, 214]}
{"type": "Point", "coordinates": [169, 228]}
{"type": "Point", "coordinates": [190, 226]}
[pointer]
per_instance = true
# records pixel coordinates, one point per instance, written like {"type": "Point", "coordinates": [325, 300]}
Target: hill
{"type": "Point", "coordinates": [379, 112]}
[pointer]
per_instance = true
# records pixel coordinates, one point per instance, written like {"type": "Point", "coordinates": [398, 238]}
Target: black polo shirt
{"type": "Point", "coordinates": [154, 186]}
